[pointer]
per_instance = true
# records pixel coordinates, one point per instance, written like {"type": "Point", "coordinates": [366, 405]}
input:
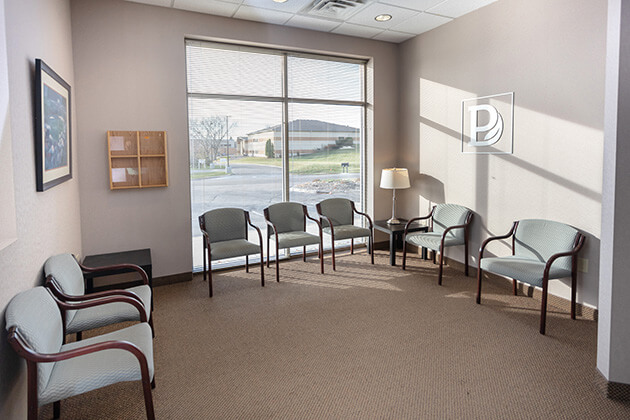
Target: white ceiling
{"type": "Point", "coordinates": [409, 17]}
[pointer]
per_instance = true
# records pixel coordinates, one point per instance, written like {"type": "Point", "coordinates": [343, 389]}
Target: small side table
{"type": "Point", "coordinates": [395, 233]}
{"type": "Point", "coordinates": [141, 257]}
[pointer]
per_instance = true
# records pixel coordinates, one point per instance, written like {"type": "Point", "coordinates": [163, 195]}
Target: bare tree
{"type": "Point", "coordinates": [207, 135]}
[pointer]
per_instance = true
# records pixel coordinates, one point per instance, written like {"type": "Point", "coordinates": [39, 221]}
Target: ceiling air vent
{"type": "Point", "coordinates": [334, 9]}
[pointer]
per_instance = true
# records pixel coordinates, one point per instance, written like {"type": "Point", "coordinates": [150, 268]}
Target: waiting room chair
{"type": "Point", "coordinates": [286, 225]}
{"type": "Point", "coordinates": [448, 227]}
{"type": "Point", "coordinates": [225, 235]}
{"type": "Point", "coordinates": [64, 278]}
{"type": "Point", "coordinates": [542, 250]}
{"type": "Point", "coordinates": [337, 219]}
{"type": "Point", "coordinates": [56, 371]}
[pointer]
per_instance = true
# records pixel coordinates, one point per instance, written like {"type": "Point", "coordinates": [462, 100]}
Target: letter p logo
{"type": "Point", "coordinates": [487, 124]}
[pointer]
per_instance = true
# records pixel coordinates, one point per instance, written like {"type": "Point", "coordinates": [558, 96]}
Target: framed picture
{"type": "Point", "coordinates": [53, 136]}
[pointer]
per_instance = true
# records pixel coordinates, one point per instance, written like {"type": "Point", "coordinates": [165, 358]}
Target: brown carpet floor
{"type": "Point", "coordinates": [364, 342]}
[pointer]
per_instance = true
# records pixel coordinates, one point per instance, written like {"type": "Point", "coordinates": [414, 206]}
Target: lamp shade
{"type": "Point", "coordinates": [395, 178]}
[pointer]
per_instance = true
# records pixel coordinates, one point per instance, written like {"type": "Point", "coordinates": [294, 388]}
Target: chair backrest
{"type": "Point", "coordinates": [338, 210]}
{"type": "Point", "coordinates": [65, 269]}
{"type": "Point", "coordinates": [225, 224]}
{"type": "Point", "coordinates": [37, 318]}
{"type": "Point", "coordinates": [540, 239]}
{"type": "Point", "coordinates": [286, 217]}
{"type": "Point", "coordinates": [446, 215]}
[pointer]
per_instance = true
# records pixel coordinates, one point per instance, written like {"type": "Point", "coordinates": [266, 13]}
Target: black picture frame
{"type": "Point", "coordinates": [53, 127]}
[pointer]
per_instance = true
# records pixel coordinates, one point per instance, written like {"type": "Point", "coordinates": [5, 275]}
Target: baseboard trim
{"type": "Point", "coordinates": [561, 303]}
{"type": "Point", "coordinates": [172, 279]}
{"type": "Point", "coordinates": [613, 390]}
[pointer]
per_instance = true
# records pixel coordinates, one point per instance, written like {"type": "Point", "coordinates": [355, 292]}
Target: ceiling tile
{"type": "Point", "coordinates": [393, 36]}
{"type": "Point", "coordinates": [419, 5]}
{"type": "Point", "coordinates": [421, 23]}
{"type": "Point", "coordinates": [213, 7]}
{"type": "Point", "coordinates": [163, 3]}
{"type": "Point", "coordinates": [356, 30]}
{"type": "Point", "coordinates": [290, 6]}
{"type": "Point", "coordinates": [312, 23]}
{"type": "Point", "coordinates": [366, 16]}
{"type": "Point", "coordinates": [262, 15]}
{"type": "Point", "coordinates": [457, 8]}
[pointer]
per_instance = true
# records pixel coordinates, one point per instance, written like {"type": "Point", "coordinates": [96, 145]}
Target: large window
{"type": "Point", "coordinates": [267, 126]}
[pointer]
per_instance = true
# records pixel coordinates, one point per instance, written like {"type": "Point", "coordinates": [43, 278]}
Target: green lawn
{"type": "Point", "coordinates": [326, 162]}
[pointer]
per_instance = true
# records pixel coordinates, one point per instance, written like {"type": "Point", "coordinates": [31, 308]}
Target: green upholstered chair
{"type": "Point", "coordinates": [449, 225]}
{"type": "Point", "coordinates": [225, 235]}
{"type": "Point", "coordinates": [64, 277]}
{"type": "Point", "coordinates": [56, 371]}
{"type": "Point", "coordinates": [286, 226]}
{"type": "Point", "coordinates": [542, 250]}
{"type": "Point", "coordinates": [337, 219]}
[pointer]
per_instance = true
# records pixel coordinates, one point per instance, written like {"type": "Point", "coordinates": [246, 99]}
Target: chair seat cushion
{"type": "Point", "coordinates": [95, 370]}
{"type": "Point", "coordinates": [432, 240]}
{"type": "Point", "coordinates": [348, 231]}
{"type": "Point", "coordinates": [111, 313]}
{"type": "Point", "coordinates": [293, 239]}
{"type": "Point", "coordinates": [523, 269]}
{"type": "Point", "coordinates": [233, 248]}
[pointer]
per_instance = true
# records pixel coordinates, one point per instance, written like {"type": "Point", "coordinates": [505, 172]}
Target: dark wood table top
{"type": "Point", "coordinates": [141, 257]}
{"type": "Point", "coordinates": [383, 226]}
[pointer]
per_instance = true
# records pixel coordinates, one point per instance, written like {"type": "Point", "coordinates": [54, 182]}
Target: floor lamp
{"type": "Point", "coordinates": [394, 179]}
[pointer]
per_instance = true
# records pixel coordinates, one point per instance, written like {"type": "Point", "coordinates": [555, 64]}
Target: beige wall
{"type": "Point", "coordinates": [47, 222]}
{"type": "Point", "coordinates": [130, 74]}
{"type": "Point", "coordinates": [551, 54]}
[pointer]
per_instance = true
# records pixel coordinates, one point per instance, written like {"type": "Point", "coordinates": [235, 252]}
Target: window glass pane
{"type": "Point", "coordinates": [228, 171]}
{"type": "Point", "coordinates": [324, 154]}
{"type": "Point", "coordinates": [236, 71]}
{"type": "Point", "coordinates": [323, 79]}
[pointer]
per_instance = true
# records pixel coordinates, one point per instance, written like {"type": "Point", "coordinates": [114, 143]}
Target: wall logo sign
{"type": "Point", "coordinates": [488, 124]}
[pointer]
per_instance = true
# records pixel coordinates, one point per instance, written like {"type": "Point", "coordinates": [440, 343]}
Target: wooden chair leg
{"type": "Point", "coordinates": [441, 265]}
{"type": "Point", "coordinates": [466, 258]}
{"type": "Point", "coordinates": [247, 263]}
{"type": "Point", "coordinates": [210, 278]}
{"type": "Point", "coordinates": [573, 292]}
{"type": "Point", "coordinates": [543, 307]}
{"type": "Point", "coordinates": [277, 264]}
{"type": "Point", "coordinates": [268, 251]}
{"type": "Point", "coordinates": [262, 269]}
{"type": "Point", "coordinates": [304, 254]}
{"type": "Point", "coordinates": [31, 371]}
{"type": "Point", "coordinates": [153, 384]}
{"type": "Point", "coordinates": [433, 256]}
{"type": "Point", "coordinates": [371, 247]}
{"type": "Point", "coordinates": [321, 257]}
{"type": "Point", "coordinates": [204, 259]}
{"type": "Point", "coordinates": [514, 287]}
{"type": "Point", "coordinates": [57, 409]}
{"type": "Point", "coordinates": [479, 276]}
{"type": "Point", "coordinates": [352, 246]}
{"type": "Point", "coordinates": [148, 398]}
{"type": "Point", "coordinates": [404, 261]}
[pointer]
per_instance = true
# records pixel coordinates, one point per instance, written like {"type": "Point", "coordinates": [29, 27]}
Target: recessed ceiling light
{"type": "Point", "coordinates": [383, 18]}
{"type": "Point", "coordinates": [280, 1]}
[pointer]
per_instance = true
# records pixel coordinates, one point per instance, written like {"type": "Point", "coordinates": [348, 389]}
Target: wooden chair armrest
{"type": "Point", "coordinates": [415, 219]}
{"type": "Point", "coordinates": [143, 274]}
{"type": "Point", "coordinates": [249, 222]}
{"type": "Point", "coordinates": [577, 246]}
{"type": "Point", "coordinates": [55, 288]}
{"type": "Point", "coordinates": [317, 222]}
{"type": "Point", "coordinates": [21, 347]}
{"type": "Point", "coordinates": [494, 238]}
{"type": "Point", "coordinates": [369, 219]}
{"type": "Point", "coordinates": [103, 301]}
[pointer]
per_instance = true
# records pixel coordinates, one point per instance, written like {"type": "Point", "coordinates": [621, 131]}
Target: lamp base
{"type": "Point", "coordinates": [394, 221]}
